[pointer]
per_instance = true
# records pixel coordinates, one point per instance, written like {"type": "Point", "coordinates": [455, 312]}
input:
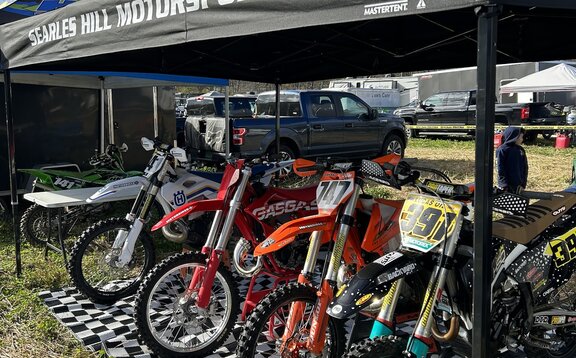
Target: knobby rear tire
{"type": "Point", "coordinates": [34, 225]}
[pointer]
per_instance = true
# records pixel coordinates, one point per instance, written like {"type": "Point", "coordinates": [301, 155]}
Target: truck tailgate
{"type": "Point", "coordinates": [205, 134]}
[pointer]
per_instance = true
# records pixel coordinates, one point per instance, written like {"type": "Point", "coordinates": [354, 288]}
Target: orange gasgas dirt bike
{"type": "Point", "coordinates": [291, 321]}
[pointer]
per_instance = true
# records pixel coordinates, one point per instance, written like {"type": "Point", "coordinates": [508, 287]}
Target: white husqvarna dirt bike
{"type": "Point", "coordinates": [111, 257]}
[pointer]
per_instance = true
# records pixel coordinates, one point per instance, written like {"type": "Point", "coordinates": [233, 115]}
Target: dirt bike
{"type": "Point", "coordinates": [107, 167]}
{"type": "Point", "coordinates": [533, 298]}
{"type": "Point", "coordinates": [111, 257]}
{"type": "Point", "coordinates": [291, 321]}
{"type": "Point", "coordinates": [188, 304]}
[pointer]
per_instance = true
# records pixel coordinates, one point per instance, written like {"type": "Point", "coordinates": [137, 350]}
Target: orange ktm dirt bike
{"type": "Point", "coordinates": [291, 321]}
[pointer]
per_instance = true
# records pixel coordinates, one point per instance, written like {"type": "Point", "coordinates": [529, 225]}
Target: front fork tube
{"type": "Point", "coordinates": [128, 240]}
{"type": "Point", "coordinates": [384, 323]}
{"type": "Point", "coordinates": [346, 222]}
{"type": "Point", "coordinates": [215, 258]}
{"type": "Point", "coordinates": [297, 309]}
{"type": "Point", "coordinates": [320, 318]}
{"type": "Point", "coordinates": [418, 344]}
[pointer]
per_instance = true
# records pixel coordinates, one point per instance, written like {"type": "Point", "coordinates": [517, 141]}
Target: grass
{"type": "Point", "coordinates": [27, 329]}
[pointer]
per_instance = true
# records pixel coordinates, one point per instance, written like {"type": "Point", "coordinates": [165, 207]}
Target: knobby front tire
{"type": "Point", "coordinates": [260, 339]}
{"type": "Point", "coordinates": [172, 326]}
{"type": "Point", "coordinates": [380, 347]}
{"type": "Point", "coordinates": [90, 267]}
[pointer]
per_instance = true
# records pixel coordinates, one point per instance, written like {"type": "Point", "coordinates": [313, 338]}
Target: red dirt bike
{"type": "Point", "coordinates": [291, 321]}
{"type": "Point", "coordinates": [188, 304]}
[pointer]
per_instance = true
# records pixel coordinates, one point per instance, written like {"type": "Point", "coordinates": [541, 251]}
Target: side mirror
{"type": "Point", "coordinates": [374, 114]}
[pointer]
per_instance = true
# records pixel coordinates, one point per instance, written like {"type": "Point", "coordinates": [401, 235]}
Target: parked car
{"type": "Point", "coordinates": [458, 108]}
{"type": "Point", "coordinates": [312, 123]}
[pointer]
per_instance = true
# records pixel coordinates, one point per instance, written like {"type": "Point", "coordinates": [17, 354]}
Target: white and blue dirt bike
{"type": "Point", "coordinates": [111, 257]}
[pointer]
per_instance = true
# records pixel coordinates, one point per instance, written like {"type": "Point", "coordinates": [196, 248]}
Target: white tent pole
{"type": "Point", "coordinates": [155, 100]}
{"type": "Point", "coordinates": [111, 133]}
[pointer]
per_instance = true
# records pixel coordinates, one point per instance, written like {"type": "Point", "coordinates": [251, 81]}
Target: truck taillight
{"type": "Point", "coordinates": [238, 136]}
{"type": "Point", "coordinates": [525, 113]}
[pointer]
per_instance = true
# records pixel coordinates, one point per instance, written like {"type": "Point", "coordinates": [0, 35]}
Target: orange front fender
{"type": "Point", "coordinates": [286, 233]}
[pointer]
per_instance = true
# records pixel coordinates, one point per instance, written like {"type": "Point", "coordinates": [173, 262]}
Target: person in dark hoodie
{"type": "Point", "coordinates": [512, 162]}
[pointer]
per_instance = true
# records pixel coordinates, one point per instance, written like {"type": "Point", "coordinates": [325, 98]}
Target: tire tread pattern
{"type": "Point", "coordinates": [79, 248]}
{"type": "Point", "coordinates": [144, 291]}
{"type": "Point", "coordinates": [270, 303]}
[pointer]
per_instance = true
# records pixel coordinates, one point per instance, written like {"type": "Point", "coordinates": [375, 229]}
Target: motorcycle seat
{"type": "Point", "coordinates": [539, 216]}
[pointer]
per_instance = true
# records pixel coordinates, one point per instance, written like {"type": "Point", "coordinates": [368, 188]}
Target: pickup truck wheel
{"type": "Point", "coordinates": [393, 144]}
{"type": "Point", "coordinates": [411, 133]}
{"type": "Point", "coordinates": [286, 153]}
{"type": "Point", "coordinates": [530, 137]}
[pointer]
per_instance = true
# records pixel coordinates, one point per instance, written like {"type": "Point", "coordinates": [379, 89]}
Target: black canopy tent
{"type": "Point", "coordinates": [287, 41]}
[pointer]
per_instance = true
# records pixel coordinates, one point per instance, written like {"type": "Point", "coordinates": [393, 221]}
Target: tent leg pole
{"type": "Point", "coordinates": [102, 134]}
{"type": "Point", "coordinates": [227, 120]}
{"type": "Point", "coordinates": [277, 130]}
{"type": "Point", "coordinates": [12, 168]}
{"type": "Point", "coordinates": [487, 35]}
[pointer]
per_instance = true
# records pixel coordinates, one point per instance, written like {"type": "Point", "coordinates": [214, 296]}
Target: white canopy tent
{"type": "Point", "coordinates": [559, 78]}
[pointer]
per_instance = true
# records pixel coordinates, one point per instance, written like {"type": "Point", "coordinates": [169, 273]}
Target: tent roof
{"type": "Point", "coordinates": [559, 78]}
{"type": "Point", "coordinates": [281, 41]}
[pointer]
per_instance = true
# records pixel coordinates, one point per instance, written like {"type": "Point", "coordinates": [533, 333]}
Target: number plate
{"type": "Point", "coordinates": [154, 165]}
{"type": "Point", "coordinates": [424, 219]}
{"type": "Point", "coordinates": [333, 190]}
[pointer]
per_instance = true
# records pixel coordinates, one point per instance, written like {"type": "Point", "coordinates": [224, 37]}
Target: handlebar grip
{"type": "Point", "coordinates": [537, 195]}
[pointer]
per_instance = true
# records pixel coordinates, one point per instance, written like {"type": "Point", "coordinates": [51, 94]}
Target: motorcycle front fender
{"type": "Point", "coordinates": [125, 187]}
{"type": "Point", "coordinates": [287, 233]}
{"type": "Point", "coordinates": [373, 281]}
{"type": "Point", "coordinates": [188, 209]}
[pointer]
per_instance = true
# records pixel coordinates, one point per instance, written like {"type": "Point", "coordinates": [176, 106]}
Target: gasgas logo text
{"type": "Point", "coordinates": [283, 207]}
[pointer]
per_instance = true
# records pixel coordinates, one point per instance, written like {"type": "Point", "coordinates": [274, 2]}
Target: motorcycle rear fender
{"type": "Point", "coordinates": [188, 209]}
{"type": "Point", "coordinates": [123, 187]}
{"type": "Point", "coordinates": [373, 281]}
{"type": "Point", "coordinates": [38, 173]}
{"type": "Point", "coordinates": [287, 233]}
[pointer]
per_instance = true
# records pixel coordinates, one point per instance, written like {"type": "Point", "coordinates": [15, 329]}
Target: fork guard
{"type": "Point", "coordinates": [373, 281]}
{"type": "Point", "coordinates": [287, 232]}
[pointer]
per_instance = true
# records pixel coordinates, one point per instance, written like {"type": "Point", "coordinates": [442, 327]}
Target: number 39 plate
{"type": "Point", "coordinates": [424, 220]}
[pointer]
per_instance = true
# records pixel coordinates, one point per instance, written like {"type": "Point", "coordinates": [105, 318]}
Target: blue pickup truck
{"type": "Point", "coordinates": [313, 123]}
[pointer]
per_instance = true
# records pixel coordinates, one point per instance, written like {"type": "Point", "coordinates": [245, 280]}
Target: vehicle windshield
{"type": "Point", "coordinates": [289, 105]}
{"type": "Point", "coordinates": [239, 107]}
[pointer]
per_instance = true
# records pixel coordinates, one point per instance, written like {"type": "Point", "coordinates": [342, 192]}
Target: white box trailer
{"type": "Point", "coordinates": [384, 93]}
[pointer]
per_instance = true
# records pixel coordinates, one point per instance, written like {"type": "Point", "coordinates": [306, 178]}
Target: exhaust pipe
{"type": "Point", "coordinates": [175, 232]}
{"type": "Point", "coordinates": [450, 334]}
{"type": "Point", "coordinates": [241, 251]}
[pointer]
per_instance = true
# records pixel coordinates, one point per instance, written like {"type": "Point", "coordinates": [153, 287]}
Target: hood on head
{"type": "Point", "coordinates": [511, 134]}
